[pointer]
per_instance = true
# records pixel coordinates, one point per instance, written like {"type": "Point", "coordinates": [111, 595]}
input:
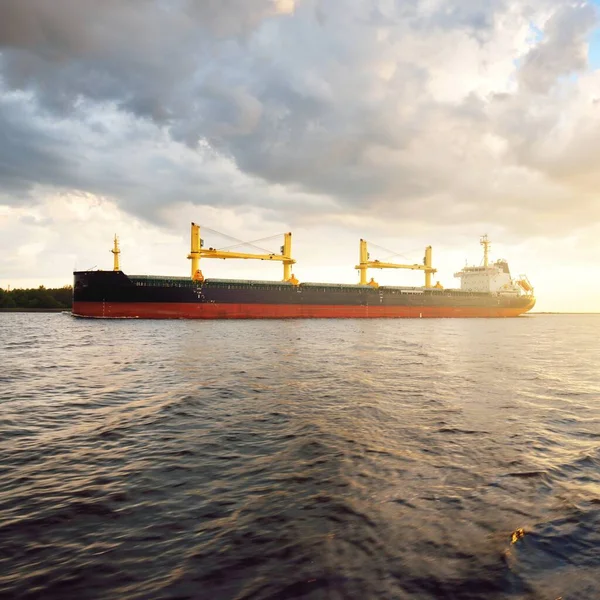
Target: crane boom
{"type": "Point", "coordinates": [366, 264]}
{"type": "Point", "coordinates": [197, 252]}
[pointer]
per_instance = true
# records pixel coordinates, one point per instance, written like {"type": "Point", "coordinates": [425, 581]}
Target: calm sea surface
{"type": "Point", "coordinates": [300, 459]}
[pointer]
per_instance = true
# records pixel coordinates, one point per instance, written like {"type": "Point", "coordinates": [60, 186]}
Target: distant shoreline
{"type": "Point", "coordinates": [563, 313]}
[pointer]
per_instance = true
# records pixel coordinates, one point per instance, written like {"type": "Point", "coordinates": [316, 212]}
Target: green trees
{"type": "Point", "coordinates": [6, 300]}
{"type": "Point", "coordinates": [36, 298]}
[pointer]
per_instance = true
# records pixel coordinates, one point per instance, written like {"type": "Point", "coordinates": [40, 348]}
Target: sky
{"type": "Point", "coordinates": [405, 122]}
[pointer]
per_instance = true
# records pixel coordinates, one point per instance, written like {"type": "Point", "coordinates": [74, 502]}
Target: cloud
{"type": "Point", "coordinates": [28, 155]}
{"type": "Point", "coordinates": [420, 112]}
{"type": "Point", "coordinates": [562, 50]}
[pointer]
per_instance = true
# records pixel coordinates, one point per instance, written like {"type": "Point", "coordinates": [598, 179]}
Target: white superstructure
{"type": "Point", "coordinates": [491, 278]}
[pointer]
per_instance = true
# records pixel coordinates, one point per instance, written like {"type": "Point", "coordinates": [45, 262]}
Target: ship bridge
{"type": "Point", "coordinates": [492, 277]}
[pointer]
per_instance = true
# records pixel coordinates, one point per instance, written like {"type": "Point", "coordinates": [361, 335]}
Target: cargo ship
{"type": "Point", "coordinates": [487, 290]}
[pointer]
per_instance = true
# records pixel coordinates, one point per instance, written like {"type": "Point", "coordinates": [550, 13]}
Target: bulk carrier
{"type": "Point", "coordinates": [487, 290]}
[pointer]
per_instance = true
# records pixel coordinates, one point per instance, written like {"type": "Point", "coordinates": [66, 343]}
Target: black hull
{"type": "Point", "coordinates": [115, 288]}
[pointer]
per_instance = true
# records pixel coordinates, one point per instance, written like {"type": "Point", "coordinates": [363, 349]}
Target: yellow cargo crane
{"type": "Point", "coordinates": [116, 251]}
{"type": "Point", "coordinates": [365, 264]}
{"type": "Point", "coordinates": [197, 252]}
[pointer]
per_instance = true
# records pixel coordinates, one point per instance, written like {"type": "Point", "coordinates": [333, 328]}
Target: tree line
{"type": "Point", "coordinates": [37, 297]}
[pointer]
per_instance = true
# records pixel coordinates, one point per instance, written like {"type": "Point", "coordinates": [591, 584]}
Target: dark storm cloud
{"type": "Point", "coordinates": [63, 28]}
{"type": "Point", "coordinates": [140, 54]}
{"type": "Point", "coordinates": [335, 100]}
{"type": "Point", "coordinates": [29, 156]}
{"type": "Point", "coordinates": [108, 51]}
{"type": "Point", "coordinates": [62, 155]}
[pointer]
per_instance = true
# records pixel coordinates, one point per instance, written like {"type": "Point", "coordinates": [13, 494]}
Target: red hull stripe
{"type": "Point", "coordinates": [177, 310]}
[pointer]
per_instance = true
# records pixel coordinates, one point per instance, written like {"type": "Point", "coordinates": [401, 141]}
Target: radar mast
{"type": "Point", "coordinates": [485, 242]}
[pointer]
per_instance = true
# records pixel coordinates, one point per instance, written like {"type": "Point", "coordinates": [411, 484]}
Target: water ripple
{"type": "Point", "coordinates": [299, 459]}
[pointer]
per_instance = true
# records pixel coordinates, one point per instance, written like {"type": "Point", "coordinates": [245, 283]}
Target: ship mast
{"type": "Point", "coordinates": [116, 251]}
{"type": "Point", "coordinates": [197, 251]}
{"type": "Point", "coordinates": [365, 264]}
{"type": "Point", "coordinates": [485, 242]}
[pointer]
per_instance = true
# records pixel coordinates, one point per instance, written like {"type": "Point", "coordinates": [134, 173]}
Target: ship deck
{"type": "Point", "coordinates": [170, 281]}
